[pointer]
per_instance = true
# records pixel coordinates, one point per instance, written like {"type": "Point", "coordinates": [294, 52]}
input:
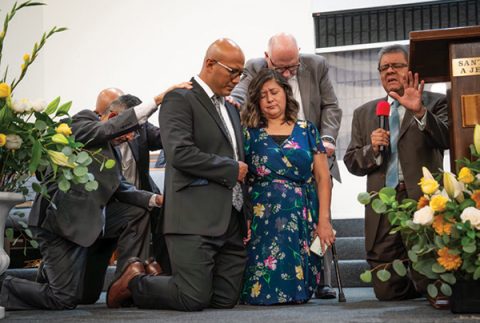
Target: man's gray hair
{"type": "Point", "coordinates": [396, 48]}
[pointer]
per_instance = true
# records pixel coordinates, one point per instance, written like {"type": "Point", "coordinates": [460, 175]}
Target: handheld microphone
{"type": "Point", "coordinates": [383, 111]}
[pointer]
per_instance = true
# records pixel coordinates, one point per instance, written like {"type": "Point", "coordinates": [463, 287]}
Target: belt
{"type": "Point", "coordinates": [401, 186]}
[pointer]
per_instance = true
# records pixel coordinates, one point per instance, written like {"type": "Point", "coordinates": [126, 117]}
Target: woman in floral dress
{"type": "Point", "coordinates": [288, 176]}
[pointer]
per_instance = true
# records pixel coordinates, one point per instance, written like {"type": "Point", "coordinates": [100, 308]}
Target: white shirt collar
{"type": "Point", "coordinates": [204, 86]}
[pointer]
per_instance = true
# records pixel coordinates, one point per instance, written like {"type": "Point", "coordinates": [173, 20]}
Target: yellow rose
{"type": "Point", "coordinates": [465, 175]}
{"type": "Point", "coordinates": [64, 129]}
{"type": "Point", "coordinates": [3, 139]}
{"type": "Point", "coordinates": [26, 57]}
{"type": "Point", "coordinates": [438, 203]}
{"type": "Point", "coordinates": [5, 90]}
{"type": "Point", "coordinates": [429, 186]}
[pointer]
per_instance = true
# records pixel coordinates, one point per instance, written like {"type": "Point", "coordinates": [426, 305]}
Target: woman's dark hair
{"type": "Point", "coordinates": [251, 115]}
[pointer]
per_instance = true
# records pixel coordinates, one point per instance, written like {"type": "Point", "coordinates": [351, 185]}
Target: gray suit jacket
{"type": "Point", "coordinates": [416, 148]}
{"type": "Point", "coordinates": [318, 98]}
{"type": "Point", "coordinates": [78, 214]}
{"type": "Point", "coordinates": [201, 170]}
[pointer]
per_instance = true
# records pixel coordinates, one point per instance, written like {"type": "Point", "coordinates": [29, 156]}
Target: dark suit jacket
{"type": "Point", "coordinates": [319, 101]}
{"type": "Point", "coordinates": [148, 139]}
{"type": "Point", "coordinates": [78, 214]}
{"type": "Point", "coordinates": [201, 170]}
{"type": "Point", "coordinates": [415, 149]}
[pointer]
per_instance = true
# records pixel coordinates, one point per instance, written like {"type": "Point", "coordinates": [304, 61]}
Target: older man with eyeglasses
{"type": "Point", "coordinates": [417, 136]}
{"type": "Point", "coordinates": [307, 74]}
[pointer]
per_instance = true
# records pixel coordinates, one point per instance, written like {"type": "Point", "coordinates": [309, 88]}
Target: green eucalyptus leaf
{"type": "Point", "coordinates": [67, 151]}
{"type": "Point", "coordinates": [33, 243]}
{"type": "Point", "coordinates": [40, 125]}
{"type": "Point", "coordinates": [383, 275]}
{"type": "Point", "coordinates": [91, 186]}
{"type": "Point", "coordinates": [64, 185]}
{"type": "Point", "coordinates": [9, 233]}
{"type": "Point", "coordinates": [366, 276]}
{"type": "Point", "coordinates": [448, 278]}
{"type": "Point", "coordinates": [82, 157]}
{"type": "Point", "coordinates": [364, 198]}
{"type": "Point", "coordinates": [437, 268]}
{"type": "Point", "coordinates": [399, 267]}
{"type": "Point", "coordinates": [378, 206]}
{"type": "Point", "coordinates": [82, 179]}
{"type": "Point", "coordinates": [412, 255]}
{"type": "Point", "coordinates": [471, 248]}
{"type": "Point", "coordinates": [67, 173]}
{"type": "Point", "coordinates": [110, 163]}
{"type": "Point", "coordinates": [432, 291]}
{"type": "Point", "coordinates": [476, 274]}
{"type": "Point", "coordinates": [446, 289]}
{"type": "Point", "coordinates": [28, 232]}
{"type": "Point", "coordinates": [80, 171]}
{"type": "Point", "coordinates": [23, 224]}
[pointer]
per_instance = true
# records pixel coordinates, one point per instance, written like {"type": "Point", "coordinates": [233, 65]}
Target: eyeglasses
{"type": "Point", "coordinates": [234, 73]}
{"type": "Point", "coordinates": [394, 66]}
{"type": "Point", "coordinates": [292, 68]}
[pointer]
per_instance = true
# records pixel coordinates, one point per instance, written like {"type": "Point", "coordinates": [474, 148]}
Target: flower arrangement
{"type": "Point", "coordinates": [441, 230]}
{"type": "Point", "coordinates": [35, 137]}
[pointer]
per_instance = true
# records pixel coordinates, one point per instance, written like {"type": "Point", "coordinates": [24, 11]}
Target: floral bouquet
{"type": "Point", "coordinates": [35, 137]}
{"type": "Point", "coordinates": [441, 230]}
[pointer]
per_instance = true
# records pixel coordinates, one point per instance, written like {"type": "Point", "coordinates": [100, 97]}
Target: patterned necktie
{"type": "Point", "coordinates": [392, 169]}
{"type": "Point", "coordinates": [237, 196]}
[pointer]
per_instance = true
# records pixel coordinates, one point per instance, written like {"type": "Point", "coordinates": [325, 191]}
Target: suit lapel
{"type": "Point", "coordinates": [234, 117]}
{"type": "Point", "coordinates": [303, 77]}
{"type": "Point", "coordinates": [208, 105]}
{"type": "Point", "coordinates": [135, 147]}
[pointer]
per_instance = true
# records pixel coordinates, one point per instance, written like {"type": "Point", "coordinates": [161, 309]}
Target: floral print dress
{"type": "Point", "coordinates": [280, 267]}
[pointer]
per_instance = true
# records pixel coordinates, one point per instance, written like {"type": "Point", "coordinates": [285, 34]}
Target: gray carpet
{"type": "Point", "coordinates": [361, 306]}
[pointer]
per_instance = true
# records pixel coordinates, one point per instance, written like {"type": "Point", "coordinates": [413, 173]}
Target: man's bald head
{"type": "Point", "coordinates": [105, 97]}
{"type": "Point", "coordinates": [222, 66]}
{"type": "Point", "coordinates": [283, 52]}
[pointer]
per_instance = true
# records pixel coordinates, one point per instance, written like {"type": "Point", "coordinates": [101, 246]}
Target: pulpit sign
{"type": "Point", "coordinates": [466, 66]}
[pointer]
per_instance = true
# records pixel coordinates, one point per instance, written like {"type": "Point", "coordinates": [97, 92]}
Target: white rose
{"type": "Point", "coordinates": [39, 105]}
{"type": "Point", "coordinates": [21, 106]}
{"type": "Point", "coordinates": [13, 142]}
{"type": "Point", "coordinates": [471, 214]}
{"type": "Point", "coordinates": [424, 216]}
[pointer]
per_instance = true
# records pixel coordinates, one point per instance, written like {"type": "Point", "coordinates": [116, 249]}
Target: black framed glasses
{"type": "Point", "coordinates": [291, 68]}
{"type": "Point", "coordinates": [395, 66]}
{"type": "Point", "coordinates": [234, 73]}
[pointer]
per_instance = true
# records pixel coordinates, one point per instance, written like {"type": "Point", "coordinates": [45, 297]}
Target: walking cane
{"type": "Point", "coordinates": [341, 295]}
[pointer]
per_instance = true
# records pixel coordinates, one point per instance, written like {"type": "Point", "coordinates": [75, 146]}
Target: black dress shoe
{"type": "Point", "coordinates": [325, 292]}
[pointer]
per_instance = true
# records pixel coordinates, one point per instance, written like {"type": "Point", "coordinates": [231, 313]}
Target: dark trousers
{"type": "Point", "coordinates": [159, 245]}
{"type": "Point", "coordinates": [206, 272]}
{"type": "Point", "coordinates": [387, 248]}
{"type": "Point", "coordinates": [74, 274]}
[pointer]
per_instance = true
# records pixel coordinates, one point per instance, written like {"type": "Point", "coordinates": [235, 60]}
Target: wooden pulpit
{"type": "Point", "coordinates": [452, 55]}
